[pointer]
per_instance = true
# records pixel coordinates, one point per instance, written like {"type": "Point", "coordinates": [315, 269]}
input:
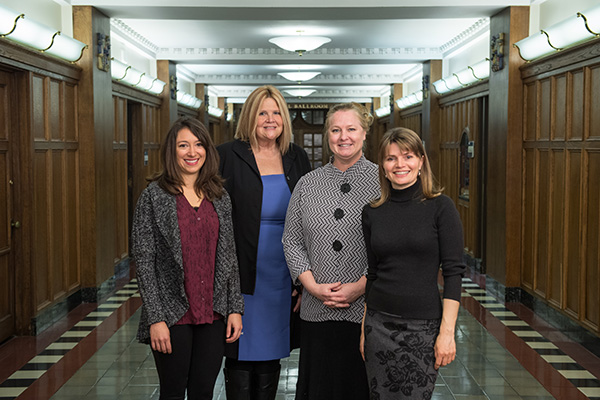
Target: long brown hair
{"type": "Point", "coordinates": [409, 141]}
{"type": "Point", "coordinates": [208, 183]}
{"type": "Point", "coordinates": [246, 128]}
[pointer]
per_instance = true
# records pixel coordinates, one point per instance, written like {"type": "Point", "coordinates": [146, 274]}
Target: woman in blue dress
{"type": "Point", "coordinates": [261, 168]}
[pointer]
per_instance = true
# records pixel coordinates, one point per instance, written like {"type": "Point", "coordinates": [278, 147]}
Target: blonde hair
{"type": "Point", "coordinates": [246, 128]}
{"type": "Point", "coordinates": [409, 141]}
{"type": "Point", "coordinates": [364, 117]}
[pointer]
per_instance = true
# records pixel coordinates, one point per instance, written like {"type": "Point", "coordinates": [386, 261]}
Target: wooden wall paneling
{"type": "Point", "coordinates": [573, 232]}
{"type": "Point", "coordinates": [529, 197]}
{"type": "Point", "coordinates": [559, 113]}
{"type": "Point", "coordinates": [120, 172]}
{"type": "Point", "coordinates": [593, 88]}
{"type": "Point", "coordinates": [41, 234]}
{"type": "Point", "coordinates": [545, 116]}
{"type": "Point", "coordinates": [557, 231]}
{"type": "Point", "coordinates": [578, 105]}
{"type": "Point", "coordinates": [72, 206]}
{"type": "Point", "coordinates": [591, 242]}
{"type": "Point", "coordinates": [58, 231]}
{"type": "Point", "coordinates": [542, 226]}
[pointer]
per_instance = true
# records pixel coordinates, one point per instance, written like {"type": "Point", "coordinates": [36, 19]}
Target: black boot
{"type": "Point", "coordinates": [265, 385]}
{"type": "Point", "coordinates": [237, 384]}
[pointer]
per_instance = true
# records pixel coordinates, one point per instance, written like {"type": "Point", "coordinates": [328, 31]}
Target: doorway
{"type": "Point", "coordinates": [8, 224]}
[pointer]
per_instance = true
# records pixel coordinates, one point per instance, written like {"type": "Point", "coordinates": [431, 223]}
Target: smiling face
{"type": "Point", "coordinates": [269, 123]}
{"type": "Point", "coordinates": [346, 137]}
{"type": "Point", "coordinates": [401, 166]}
{"type": "Point", "coordinates": [191, 154]}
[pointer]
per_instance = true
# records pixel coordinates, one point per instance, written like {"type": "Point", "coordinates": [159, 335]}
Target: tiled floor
{"type": "Point", "coordinates": [504, 352]}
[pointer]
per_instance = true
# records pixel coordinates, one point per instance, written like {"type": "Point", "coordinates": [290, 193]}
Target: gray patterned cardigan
{"type": "Point", "coordinates": [156, 248]}
{"type": "Point", "coordinates": [323, 233]}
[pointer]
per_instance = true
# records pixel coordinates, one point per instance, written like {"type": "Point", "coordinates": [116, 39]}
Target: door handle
{"type": "Point", "coordinates": [15, 224]}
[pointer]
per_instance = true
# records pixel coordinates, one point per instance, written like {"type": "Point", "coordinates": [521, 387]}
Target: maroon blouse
{"type": "Point", "coordinates": [199, 234]}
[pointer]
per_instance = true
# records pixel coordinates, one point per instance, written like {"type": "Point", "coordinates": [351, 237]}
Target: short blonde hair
{"type": "Point", "coordinates": [364, 117]}
{"type": "Point", "coordinates": [246, 128]}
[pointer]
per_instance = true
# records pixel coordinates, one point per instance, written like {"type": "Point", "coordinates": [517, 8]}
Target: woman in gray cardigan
{"type": "Point", "coordinates": [187, 271]}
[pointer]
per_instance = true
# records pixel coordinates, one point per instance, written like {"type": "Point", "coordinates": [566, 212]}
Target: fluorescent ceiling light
{"type": "Point", "coordinates": [300, 92]}
{"type": "Point", "coordinates": [299, 44]}
{"type": "Point", "coordinates": [298, 76]}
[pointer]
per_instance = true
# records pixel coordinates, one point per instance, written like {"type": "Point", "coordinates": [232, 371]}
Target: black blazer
{"type": "Point", "coordinates": [244, 185]}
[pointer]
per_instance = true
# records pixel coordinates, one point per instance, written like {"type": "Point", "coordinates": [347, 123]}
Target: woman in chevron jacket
{"type": "Point", "coordinates": [186, 265]}
{"type": "Point", "coordinates": [325, 251]}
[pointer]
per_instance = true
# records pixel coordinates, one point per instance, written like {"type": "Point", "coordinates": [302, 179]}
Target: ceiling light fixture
{"type": "Point", "coordinates": [298, 76]}
{"type": "Point", "coordinates": [300, 92]}
{"type": "Point", "coordinates": [299, 44]}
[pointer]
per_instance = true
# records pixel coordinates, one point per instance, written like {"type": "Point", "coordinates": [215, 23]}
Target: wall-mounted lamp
{"type": "Point", "coordinates": [574, 30]}
{"type": "Point", "coordinates": [383, 111]}
{"type": "Point", "coordinates": [122, 72]}
{"type": "Point", "coordinates": [215, 111]}
{"type": "Point", "coordinates": [14, 26]}
{"type": "Point", "coordinates": [464, 77]}
{"type": "Point", "coordinates": [411, 99]}
{"type": "Point", "coordinates": [188, 100]}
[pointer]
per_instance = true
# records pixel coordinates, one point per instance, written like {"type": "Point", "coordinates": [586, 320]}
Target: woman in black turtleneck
{"type": "Point", "coordinates": [410, 232]}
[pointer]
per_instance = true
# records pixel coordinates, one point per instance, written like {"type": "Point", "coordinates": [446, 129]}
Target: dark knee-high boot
{"type": "Point", "coordinates": [237, 384]}
{"type": "Point", "coordinates": [264, 386]}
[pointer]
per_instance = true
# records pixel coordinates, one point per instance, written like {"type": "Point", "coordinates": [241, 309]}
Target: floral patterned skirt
{"type": "Point", "coordinates": [399, 356]}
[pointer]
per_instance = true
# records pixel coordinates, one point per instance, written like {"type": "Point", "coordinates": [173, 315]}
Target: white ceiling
{"type": "Point", "coordinates": [224, 43]}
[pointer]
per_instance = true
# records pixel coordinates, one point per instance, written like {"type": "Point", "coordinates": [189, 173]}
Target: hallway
{"type": "Point", "coordinates": [504, 352]}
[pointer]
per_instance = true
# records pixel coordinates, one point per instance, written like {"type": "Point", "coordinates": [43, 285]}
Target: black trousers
{"type": "Point", "coordinates": [194, 363]}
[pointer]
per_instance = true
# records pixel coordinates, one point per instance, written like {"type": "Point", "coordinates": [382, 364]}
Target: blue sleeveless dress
{"type": "Point", "coordinates": [266, 319]}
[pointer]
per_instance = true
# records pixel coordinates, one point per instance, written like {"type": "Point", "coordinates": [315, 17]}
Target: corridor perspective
{"type": "Point", "coordinates": [504, 94]}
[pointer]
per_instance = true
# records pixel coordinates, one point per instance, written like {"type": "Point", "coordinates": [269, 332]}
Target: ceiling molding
{"type": "Point", "coordinates": [466, 35]}
{"type": "Point", "coordinates": [132, 36]}
{"type": "Point", "coordinates": [383, 79]}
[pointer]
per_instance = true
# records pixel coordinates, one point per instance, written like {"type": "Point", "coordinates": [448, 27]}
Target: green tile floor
{"type": "Point", "coordinates": [124, 369]}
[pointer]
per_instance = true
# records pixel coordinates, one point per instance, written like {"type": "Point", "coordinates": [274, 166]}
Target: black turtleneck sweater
{"type": "Point", "coordinates": [408, 238]}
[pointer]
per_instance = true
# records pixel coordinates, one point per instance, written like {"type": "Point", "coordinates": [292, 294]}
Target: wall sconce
{"type": "Point", "coordinates": [383, 111]}
{"type": "Point", "coordinates": [215, 111]}
{"type": "Point", "coordinates": [122, 72]}
{"type": "Point", "coordinates": [300, 92]}
{"type": "Point", "coordinates": [299, 44]}
{"type": "Point", "coordinates": [158, 86]}
{"type": "Point", "coordinates": [411, 99]}
{"type": "Point", "coordinates": [16, 27]}
{"type": "Point", "coordinates": [574, 30]}
{"type": "Point", "coordinates": [188, 100]}
{"type": "Point", "coordinates": [465, 77]}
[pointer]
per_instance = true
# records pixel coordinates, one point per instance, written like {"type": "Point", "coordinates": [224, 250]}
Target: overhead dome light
{"type": "Point", "coordinates": [299, 44]}
{"type": "Point", "coordinates": [298, 76]}
{"type": "Point", "coordinates": [300, 92]}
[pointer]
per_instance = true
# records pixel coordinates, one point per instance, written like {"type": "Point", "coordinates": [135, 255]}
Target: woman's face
{"type": "Point", "coordinates": [346, 136]}
{"type": "Point", "coordinates": [401, 167]}
{"type": "Point", "coordinates": [191, 154]}
{"type": "Point", "coordinates": [269, 123]}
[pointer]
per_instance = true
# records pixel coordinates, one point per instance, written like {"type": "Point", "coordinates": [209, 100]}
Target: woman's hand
{"type": "Point", "coordinates": [234, 328]}
{"type": "Point", "coordinates": [361, 344]}
{"type": "Point", "coordinates": [298, 293]}
{"type": "Point", "coordinates": [445, 349]}
{"type": "Point", "coordinates": [160, 337]}
{"type": "Point", "coordinates": [345, 294]}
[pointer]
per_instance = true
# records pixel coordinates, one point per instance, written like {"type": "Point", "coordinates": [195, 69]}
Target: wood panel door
{"type": "Point", "coordinates": [7, 224]}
